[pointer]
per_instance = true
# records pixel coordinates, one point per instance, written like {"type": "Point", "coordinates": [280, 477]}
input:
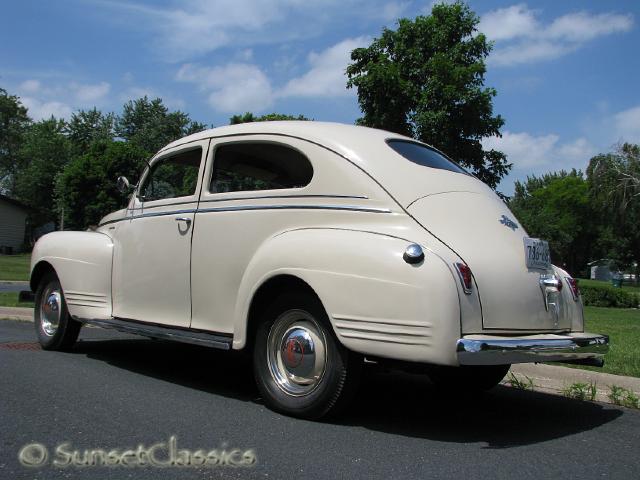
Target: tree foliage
{"type": "Point", "coordinates": [86, 188]}
{"type": "Point", "coordinates": [614, 180]}
{"type": "Point", "coordinates": [150, 125]}
{"type": "Point", "coordinates": [44, 152]}
{"type": "Point", "coordinates": [556, 207]}
{"type": "Point", "coordinates": [426, 80]}
{"type": "Point", "coordinates": [14, 123]}
{"type": "Point", "coordinates": [90, 126]}
{"type": "Point", "coordinates": [250, 117]}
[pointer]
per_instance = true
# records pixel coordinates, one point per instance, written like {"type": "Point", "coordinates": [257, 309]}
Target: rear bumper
{"type": "Point", "coordinates": [500, 350]}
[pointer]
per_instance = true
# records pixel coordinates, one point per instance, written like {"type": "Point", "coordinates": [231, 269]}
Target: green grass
{"type": "Point", "coordinates": [15, 267]}
{"type": "Point", "coordinates": [599, 283]}
{"type": "Point", "coordinates": [10, 299]}
{"type": "Point", "coordinates": [623, 327]}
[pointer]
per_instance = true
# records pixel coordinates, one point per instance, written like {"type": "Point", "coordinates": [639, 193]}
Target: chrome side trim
{"type": "Point", "coordinates": [352, 208]}
{"type": "Point", "coordinates": [260, 197]}
{"type": "Point", "coordinates": [506, 350]}
{"type": "Point", "coordinates": [153, 330]}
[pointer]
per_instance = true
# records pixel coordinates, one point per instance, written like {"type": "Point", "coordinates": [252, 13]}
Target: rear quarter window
{"type": "Point", "coordinates": [423, 155]}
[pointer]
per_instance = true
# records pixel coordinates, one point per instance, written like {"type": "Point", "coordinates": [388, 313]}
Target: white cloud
{"type": "Point", "coordinates": [509, 22]}
{"type": "Point", "coordinates": [87, 94]}
{"type": "Point", "coordinates": [627, 124]}
{"type": "Point", "coordinates": [39, 110]}
{"type": "Point", "coordinates": [540, 153]}
{"type": "Point", "coordinates": [30, 86]}
{"type": "Point", "coordinates": [522, 38]}
{"type": "Point", "coordinates": [231, 88]}
{"type": "Point", "coordinates": [326, 77]}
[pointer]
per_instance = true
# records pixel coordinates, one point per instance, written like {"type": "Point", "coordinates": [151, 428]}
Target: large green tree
{"type": "Point", "coordinates": [426, 80]}
{"type": "Point", "coordinates": [86, 189]}
{"type": "Point", "coordinates": [150, 125]}
{"type": "Point", "coordinates": [90, 126]}
{"type": "Point", "coordinates": [614, 180]}
{"type": "Point", "coordinates": [14, 123]}
{"type": "Point", "coordinates": [250, 117]}
{"type": "Point", "coordinates": [556, 207]}
{"type": "Point", "coordinates": [44, 152]}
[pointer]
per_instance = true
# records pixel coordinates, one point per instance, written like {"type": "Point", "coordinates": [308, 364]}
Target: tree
{"type": "Point", "coordinates": [250, 117]}
{"type": "Point", "coordinates": [556, 207]}
{"type": "Point", "coordinates": [150, 125]}
{"type": "Point", "coordinates": [426, 80]}
{"type": "Point", "coordinates": [13, 125]}
{"type": "Point", "coordinates": [90, 126]}
{"type": "Point", "coordinates": [614, 180]}
{"type": "Point", "coordinates": [86, 189]}
{"type": "Point", "coordinates": [44, 152]}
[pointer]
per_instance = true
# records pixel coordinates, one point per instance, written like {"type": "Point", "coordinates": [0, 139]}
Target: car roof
{"type": "Point", "coordinates": [365, 147]}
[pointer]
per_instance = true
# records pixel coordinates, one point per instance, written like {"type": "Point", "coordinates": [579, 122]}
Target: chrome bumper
{"type": "Point", "coordinates": [493, 350]}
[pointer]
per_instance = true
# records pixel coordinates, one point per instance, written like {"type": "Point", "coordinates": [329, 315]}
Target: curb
{"type": "Point", "coordinates": [16, 313]}
{"type": "Point", "coordinates": [555, 379]}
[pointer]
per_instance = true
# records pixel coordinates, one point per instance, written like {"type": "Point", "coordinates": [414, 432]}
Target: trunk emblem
{"type": "Point", "coordinates": [507, 222]}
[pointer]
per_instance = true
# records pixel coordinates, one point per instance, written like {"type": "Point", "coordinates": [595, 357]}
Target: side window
{"type": "Point", "coordinates": [172, 177]}
{"type": "Point", "coordinates": [252, 166]}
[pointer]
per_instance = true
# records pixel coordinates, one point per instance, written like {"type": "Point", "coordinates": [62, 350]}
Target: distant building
{"type": "Point", "coordinates": [601, 270]}
{"type": "Point", "coordinates": [13, 222]}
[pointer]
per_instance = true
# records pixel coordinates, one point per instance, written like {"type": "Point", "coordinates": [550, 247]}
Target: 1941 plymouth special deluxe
{"type": "Point", "coordinates": [314, 246]}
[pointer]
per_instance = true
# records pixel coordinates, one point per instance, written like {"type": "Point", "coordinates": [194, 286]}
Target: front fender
{"type": "Point", "coordinates": [82, 262]}
{"type": "Point", "coordinates": [377, 303]}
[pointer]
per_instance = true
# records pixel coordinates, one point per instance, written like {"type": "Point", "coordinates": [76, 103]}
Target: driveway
{"type": "Point", "coordinates": [115, 391]}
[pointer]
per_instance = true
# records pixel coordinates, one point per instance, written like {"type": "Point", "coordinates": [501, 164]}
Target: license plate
{"type": "Point", "coordinates": [536, 253]}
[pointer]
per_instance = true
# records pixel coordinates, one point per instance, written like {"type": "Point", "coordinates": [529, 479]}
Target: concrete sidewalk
{"type": "Point", "coordinates": [16, 313]}
{"type": "Point", "coordinates": [546, 378]}
{"type": "Point", "coordinates": [554, 379]}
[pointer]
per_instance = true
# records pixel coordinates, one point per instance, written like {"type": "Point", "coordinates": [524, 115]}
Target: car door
{"type": "Point", "coordinates": [152, 249]}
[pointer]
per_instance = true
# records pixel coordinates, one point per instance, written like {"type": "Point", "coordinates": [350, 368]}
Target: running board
{"type": "Point", "coordinates": [154, 330]}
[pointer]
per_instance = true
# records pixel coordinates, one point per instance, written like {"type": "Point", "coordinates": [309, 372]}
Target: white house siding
{"type": "Point", "coordinates": [12, 225]}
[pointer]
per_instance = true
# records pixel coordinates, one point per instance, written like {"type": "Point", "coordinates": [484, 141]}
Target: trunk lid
{"type": "Point", "coordinates": [479, 227]}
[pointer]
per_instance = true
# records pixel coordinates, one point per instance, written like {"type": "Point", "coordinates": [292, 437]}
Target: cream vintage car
{"type": "Point", "coordinates": [314, 246]}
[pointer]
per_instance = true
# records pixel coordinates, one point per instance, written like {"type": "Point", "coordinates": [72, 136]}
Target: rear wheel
{"type": "Point", "coordinates": [476, 378]}
{"type": "Point", "coordinates": [301, 369]}
{"type": "Point", "coordinates": [55, 328]}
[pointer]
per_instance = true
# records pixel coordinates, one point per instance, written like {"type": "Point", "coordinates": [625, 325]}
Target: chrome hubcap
{"type": "Point", "coordinates": [296, 353]}
{"type": "Point", "coordinates": [50, 311]}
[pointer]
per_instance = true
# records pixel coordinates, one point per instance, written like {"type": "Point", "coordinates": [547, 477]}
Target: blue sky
{"type": "Point", "coordinates": [567, 73]}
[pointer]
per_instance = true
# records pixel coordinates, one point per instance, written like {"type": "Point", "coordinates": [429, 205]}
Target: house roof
{"type": "Point", "coordinates": [14, 202]}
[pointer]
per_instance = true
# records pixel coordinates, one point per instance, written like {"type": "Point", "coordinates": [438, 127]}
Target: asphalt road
{"type": "Point", "coordinates": [14, 286]}
{"type": "Point", "coordinates": [117, 392]}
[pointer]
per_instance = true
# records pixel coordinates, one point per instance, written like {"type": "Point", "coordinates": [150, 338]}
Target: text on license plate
{"type": "Point", "coordinates": [536, 253]}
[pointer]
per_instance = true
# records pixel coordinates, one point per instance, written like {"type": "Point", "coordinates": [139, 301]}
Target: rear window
{"type": "Point", "coordinates": [423, 155]}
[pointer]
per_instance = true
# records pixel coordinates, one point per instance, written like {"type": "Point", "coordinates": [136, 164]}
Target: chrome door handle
{"type": "Point", "coordinates": [187, 220]}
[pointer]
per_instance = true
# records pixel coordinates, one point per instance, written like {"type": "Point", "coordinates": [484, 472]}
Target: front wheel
{"type": "Point", "coordinates": [55, 328]}
{"type": "Point", "coordinates": [301, 369]}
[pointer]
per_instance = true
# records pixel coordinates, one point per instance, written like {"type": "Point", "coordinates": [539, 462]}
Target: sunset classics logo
{"type": "Point", "coordinates": [159, 455]}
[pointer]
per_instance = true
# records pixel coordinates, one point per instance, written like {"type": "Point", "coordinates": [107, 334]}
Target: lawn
{"type": "Point", "coordinates": [10, 299]}
{"type": "Point", "coordinates": [15, 267]}
{"type": "Point", "coordinates": [599, 283]}
{"type": "Point", "coordinates": [623, 327]}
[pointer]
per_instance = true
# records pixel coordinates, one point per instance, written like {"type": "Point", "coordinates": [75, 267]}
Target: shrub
{"type": "Point", "coordinates": [605, 296]}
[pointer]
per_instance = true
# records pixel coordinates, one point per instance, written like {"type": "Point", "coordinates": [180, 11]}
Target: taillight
{"type": "Point", "coordinates": [464, 272]}
{"type": "Point", "coordinates": [573, 286]}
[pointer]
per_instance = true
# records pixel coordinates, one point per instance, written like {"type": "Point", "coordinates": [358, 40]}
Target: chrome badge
{"type": "Point", "coordinates": [507, 222]}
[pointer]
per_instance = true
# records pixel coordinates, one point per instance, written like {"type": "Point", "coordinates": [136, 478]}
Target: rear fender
{"type": "Point", "coordinates": [377, 303]}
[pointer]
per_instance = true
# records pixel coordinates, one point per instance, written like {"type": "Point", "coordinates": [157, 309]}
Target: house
{"type": "Point", "coordinates": [13, 221]}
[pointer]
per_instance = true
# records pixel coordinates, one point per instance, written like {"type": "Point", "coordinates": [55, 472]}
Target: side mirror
{"type": "Point", "coordinates": [123, 185]}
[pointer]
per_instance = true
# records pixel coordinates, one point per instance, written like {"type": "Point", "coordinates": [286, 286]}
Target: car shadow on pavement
{"type": "Point", "coordinates": [387, 401]}
{"type": "Point", "coordinates": [228, 374]}
{"type": "Point", "coordinates": [504, 417]}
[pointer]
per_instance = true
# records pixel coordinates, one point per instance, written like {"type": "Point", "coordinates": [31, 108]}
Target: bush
{"type": "Point", "coordinates": [604, 296]}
